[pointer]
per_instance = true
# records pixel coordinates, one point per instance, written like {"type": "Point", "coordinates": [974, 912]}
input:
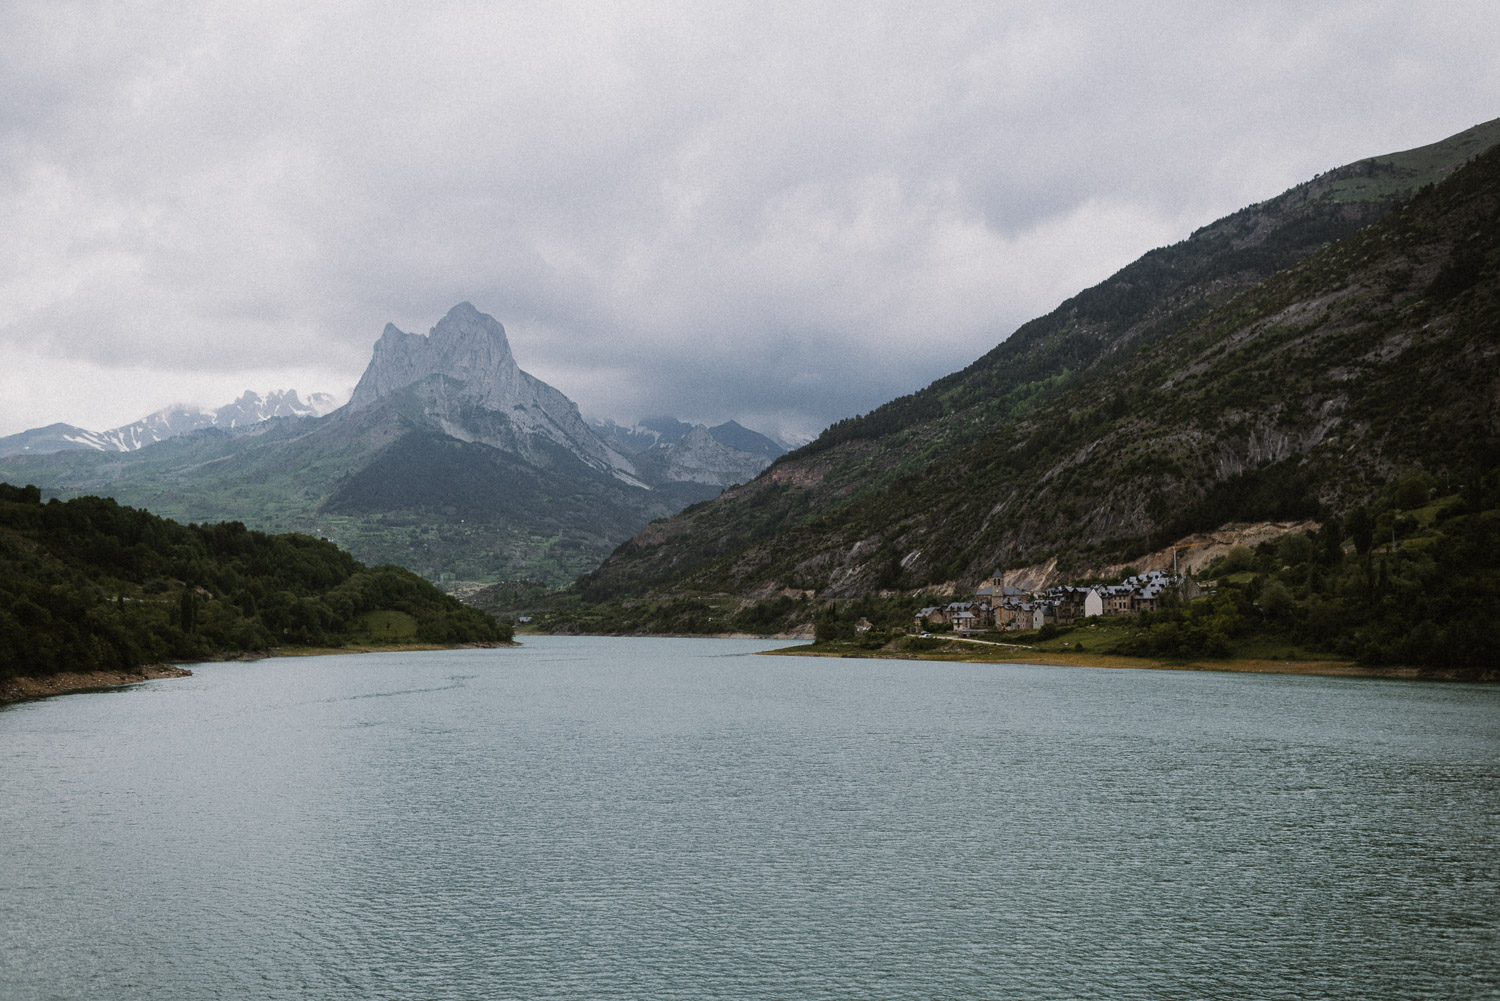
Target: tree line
{"type": "Point", "coordinates": [88, 584]}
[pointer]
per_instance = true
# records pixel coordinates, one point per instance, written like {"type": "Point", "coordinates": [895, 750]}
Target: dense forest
{"type": "Point", "coordinates": [88, 584]}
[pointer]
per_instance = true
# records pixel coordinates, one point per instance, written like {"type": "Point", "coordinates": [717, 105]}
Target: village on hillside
{"type": "Point", "coordinates": [998, 607]}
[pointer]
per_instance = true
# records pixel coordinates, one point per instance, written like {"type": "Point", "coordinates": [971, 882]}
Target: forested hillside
{"type": "Point", "coordinates": [90, 585]}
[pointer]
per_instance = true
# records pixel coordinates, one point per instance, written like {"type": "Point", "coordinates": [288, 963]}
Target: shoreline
{"type": "Point", "coordinates": [1322, 667]}
{"type": "Point", "coordinates": [353, 648]}
{"type": "Point", "coordinates": [26, 688]}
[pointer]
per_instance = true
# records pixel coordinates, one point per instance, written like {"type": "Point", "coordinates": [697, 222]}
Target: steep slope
{"type": "Point", "coordinates": [1245, 373]}
{"type": "Point", "coordinates": [1163, 292]}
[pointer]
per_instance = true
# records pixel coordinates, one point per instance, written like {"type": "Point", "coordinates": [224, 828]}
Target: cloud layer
{"type": "Point", "coordinates": [782, 213]}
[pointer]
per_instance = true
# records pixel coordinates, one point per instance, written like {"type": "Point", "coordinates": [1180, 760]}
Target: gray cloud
{"type": "Point", "coordinates": [783, 213]}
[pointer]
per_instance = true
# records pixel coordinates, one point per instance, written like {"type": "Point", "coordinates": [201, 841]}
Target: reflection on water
{"type": "Point", "coordinates": [597, 818]}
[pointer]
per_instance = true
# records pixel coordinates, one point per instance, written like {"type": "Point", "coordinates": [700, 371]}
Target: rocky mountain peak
{"type": "Point", "coordinates": [464, 367]}
{"type": "Point", "coordinates": [252, 408]}
{"type": "Point", "coordinates": [465, 345]}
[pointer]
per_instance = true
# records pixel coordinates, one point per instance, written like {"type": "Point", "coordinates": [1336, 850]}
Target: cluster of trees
{"type": "Point", "coordinates": [1418, 584]}
{"type": "Point", "coordinates": [88, 584]}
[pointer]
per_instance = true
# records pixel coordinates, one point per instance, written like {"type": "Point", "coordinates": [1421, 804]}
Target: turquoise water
{"type": "Point", "coordinates": [617, 818]}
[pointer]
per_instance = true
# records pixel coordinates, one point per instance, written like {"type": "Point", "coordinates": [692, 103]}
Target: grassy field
{"type": "Point", "coordinates": [387, 627]}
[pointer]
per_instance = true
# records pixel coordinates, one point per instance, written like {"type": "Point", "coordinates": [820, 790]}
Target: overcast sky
{"type": "Point", "coordinates": [781, 213]}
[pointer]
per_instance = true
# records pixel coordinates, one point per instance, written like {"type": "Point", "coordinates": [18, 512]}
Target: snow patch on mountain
{"type": "Point", "coordinates": [169, 422]}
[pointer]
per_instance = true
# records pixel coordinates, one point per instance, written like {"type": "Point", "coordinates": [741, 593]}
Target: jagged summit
{"type": "Point", "coordinates": [179, 418]}
{"type": "Point", "coordinates": [465, 364]}
{"type": "Point", "coordinates": [465, 345]}
{"type": "Point", "coordinates": [252, 408]}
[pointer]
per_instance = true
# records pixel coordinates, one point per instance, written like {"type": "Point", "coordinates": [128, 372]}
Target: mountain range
{"type": "Point", "coordinates": [659, 432]}
{"type": "Point", "coordinates": [1287, 361]}
{"type": "Point", "coordinates": [448, 459]}
{"type": "Point", "coordinates": [667, 449]}
{"type": "Point", "coordinates": [250, 408]}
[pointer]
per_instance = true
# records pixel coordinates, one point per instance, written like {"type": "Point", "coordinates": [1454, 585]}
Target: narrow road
{"type": "Point", "coordinates": [966, 639]}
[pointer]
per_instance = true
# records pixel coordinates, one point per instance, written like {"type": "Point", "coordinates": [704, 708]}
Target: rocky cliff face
{"type": "Point", "coordinates": [465, 376]}
{"type": "Point", "coordinates": [466, 345]}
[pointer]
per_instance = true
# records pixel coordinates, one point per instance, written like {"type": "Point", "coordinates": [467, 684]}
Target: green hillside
{"type": "Point", "coordinates": [1291, 360]}
{"type": "Point", "coordinates": [87, 584]}
{"type": "Point", "coordinates": [1410, 580]}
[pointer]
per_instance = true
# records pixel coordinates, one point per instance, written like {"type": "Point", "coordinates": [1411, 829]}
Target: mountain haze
{"type": "Point", "coordinates": [250, 408]}
{"type": "Point", "coordinates": [661, 432]}
{"type": "Point", "coordinates": [1284, 361]}
{"type": "Point", "coordinates": [448, 460]}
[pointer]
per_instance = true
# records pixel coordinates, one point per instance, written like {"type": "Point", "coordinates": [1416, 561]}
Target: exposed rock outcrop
{"type": "Point", "coordinates": [464, 365]}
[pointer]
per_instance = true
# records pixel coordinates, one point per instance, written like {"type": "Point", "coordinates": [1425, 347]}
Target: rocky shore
{"type": "Point", "coordinates": [19, 689]}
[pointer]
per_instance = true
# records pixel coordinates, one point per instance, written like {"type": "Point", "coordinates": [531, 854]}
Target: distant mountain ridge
{"type": "Point", "coordinates": [250, 408]}
{"type": "Point", "coordinates": [448, 459]}
{"type": "Point", "coordinates": [659, 432]}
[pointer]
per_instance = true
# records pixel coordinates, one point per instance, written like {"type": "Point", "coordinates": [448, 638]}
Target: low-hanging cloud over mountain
{"type": "Point", "coordinates": [784, 213]}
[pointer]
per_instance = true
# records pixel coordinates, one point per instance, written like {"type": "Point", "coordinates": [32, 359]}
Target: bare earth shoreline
{"type": "Point", "coordinates": [22, 689]}
{"type": "Point", "coordinates": [1323, 668]}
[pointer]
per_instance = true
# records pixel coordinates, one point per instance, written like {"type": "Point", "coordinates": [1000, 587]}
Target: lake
{"type": "Point", "coordinates": [593, 818]}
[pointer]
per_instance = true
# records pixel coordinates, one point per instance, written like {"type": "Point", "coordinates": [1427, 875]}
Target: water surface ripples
{"type": "Point", "coordinates": [589, 818]}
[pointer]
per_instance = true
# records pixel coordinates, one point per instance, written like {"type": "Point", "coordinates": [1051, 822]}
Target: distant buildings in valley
{"type": "Point", "coordinates": [997, 606]}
